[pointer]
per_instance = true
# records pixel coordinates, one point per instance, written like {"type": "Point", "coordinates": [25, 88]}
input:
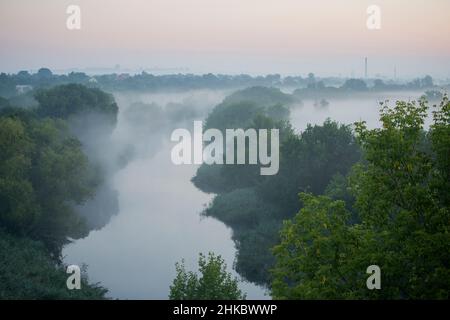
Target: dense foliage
{"type": "Point", "coordinates": [212, 282]}
{"type": "Point", "coordinates": [67, 100]}
{"type": "Point", "coordinates": [27, 272]}
{"type": "Point", "coordinates": [402, 203]}
{"type": "Point", "coordinates": [45, 175]}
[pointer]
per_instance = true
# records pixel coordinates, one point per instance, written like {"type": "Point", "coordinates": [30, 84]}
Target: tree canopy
{"type": "Point", "coordinates": [27, 272]}
{"type": "Point", "coordinates": [402, 203]}
{"type": "Point", "coordinates": [212, 282]}
{"type": "Point", "coordinates": [43, 174]}
{"type": "Point", "coordinates": [71, 99]}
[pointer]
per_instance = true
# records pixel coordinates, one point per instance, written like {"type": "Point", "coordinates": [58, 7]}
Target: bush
{"type": "Point", "coordinates": [27, 272]}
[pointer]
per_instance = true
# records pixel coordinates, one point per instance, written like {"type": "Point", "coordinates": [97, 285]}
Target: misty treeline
{"type": "Point", "coordinates": [48, 173]}
{"type": "Point", "coordinates": [19, 87]}
{"type": "Point", "coordinates": [367, 197]}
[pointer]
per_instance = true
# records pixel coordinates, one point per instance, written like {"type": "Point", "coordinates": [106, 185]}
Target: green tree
{"type": "Point", "coordinates": [43, 173]}
{"type": "Point", "coordinates": [402, 197]}
{"type": "Point", "coordinates": [312, 254]}
{"type": "Point", "coordinates": [212, 283]}
{"type": "Point", "coordinates": [68, 100]}
{"type": "Point", "coordinates": [402, 203]}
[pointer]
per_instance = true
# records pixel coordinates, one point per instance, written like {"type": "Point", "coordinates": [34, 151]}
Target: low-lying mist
{"type": "Point", "coordinates": [158, 218]}
{"type": "Point", "coordinates": [155, 208]}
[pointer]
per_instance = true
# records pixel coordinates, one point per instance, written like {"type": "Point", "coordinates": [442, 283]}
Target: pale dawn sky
{"type": "Point", "coordinates": [327, 37]}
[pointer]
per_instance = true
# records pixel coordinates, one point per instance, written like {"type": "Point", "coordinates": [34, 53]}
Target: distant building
{"type": "Point", "coordinates": [23, 88]}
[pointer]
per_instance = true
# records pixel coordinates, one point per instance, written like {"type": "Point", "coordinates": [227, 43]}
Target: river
{"type": "Point", "coordinates": [159, 220]}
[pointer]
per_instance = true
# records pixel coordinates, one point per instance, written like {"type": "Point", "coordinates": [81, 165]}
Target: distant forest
{"type": "Point", "coordinates": [11, 84]}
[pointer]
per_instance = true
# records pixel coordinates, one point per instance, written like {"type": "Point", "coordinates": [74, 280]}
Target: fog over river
{"type": "Point", "coordinates": [159, 220]}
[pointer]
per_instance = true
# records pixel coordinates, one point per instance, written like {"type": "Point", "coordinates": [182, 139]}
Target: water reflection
{"type": "Point", "coordinates": [158, 223]}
